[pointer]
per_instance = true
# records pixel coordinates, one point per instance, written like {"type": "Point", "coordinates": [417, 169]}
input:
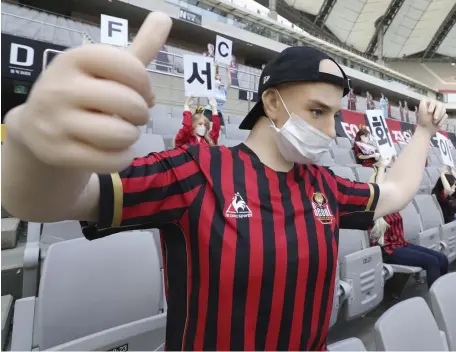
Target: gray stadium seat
{"type": "Point", "coordinates": [431, 217]}
{"type": "Point", "coordinates": [326, 160]}
{"type": "Point", "coordinates": [233, 132]}
{"type": "Point", "coordinates": [177, 112]}
{"type": "Point", "coordinates": [425, 186]}
{"type": "Point", "coordinates": [156, 234]}
{"type": "Point", "coordinates": [148, 143]}
{"type": "Point", "coordinates": [362, 267]}
{"type": "Point", "coordinates": [344, 172]}
{"type": "Point", "coordinates": [408, 326]}
{"type": "Point", "coordinates": [434, 175]}
{"type": "Point", "coordinates": [434, 160]}
{"type": "Point", "coordinates": [98, 295]}
{"type": "Point", "coordinates": [344, 143]}
{"type": "Point", "coordinates": [336, 299]}
{"type": "Point", "coordinates": [351, 344]}
{"type": "Point", "coordinates": [398, 148]}
{"type": "Point", "coordinates": [7, 313]}
{"type": "Point", "coordinates": [343, 157]}
{"type": "Point", "coordinates": [231, 142]}
{"type": "Point", "coordinates": [363, 174]}
{"type": "Point", "coordinates": [235, 120]}
{"type": "Point", "coordinates": [442, 294]}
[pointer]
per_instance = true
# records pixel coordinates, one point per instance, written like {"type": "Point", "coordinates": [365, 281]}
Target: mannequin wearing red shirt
{"type": "Point", "coordinates": [197, 128]}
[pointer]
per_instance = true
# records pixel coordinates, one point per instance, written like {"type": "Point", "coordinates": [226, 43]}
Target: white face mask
{"type": "Point", "coordinates": [201, 130]}
{"type": "Point", "coordinates": [300, 142]}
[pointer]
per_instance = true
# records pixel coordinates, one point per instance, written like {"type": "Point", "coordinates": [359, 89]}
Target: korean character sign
{"type": "Point", "coordinates": [445, 149]}
{"type": "Point", "coordinates": [199, 76]}
{"type": "Point", "coordinates": [380, 133]}
{"type": "Point", "coordinates": [223, 51]}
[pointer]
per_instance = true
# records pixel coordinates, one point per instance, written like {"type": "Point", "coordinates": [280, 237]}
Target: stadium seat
{"type": "Point", "coordinates": [431, 217]}
{"type": "Point", "coordinates": [233, 132]}
{"type": "Point", "coordinates": [408, 326]}
{"type": "Point", "coordinates": [434, 175]}
{"type": "Point", "coordinates": [326, 160]}
{"type": "Point", "coordinates": [336, 299]}
{"type": "Point", "coordinates": [99, 295]}
{"type": "Point", "coordinates": [344, 157]}
{"type": "Point", "coordinates": [156, 234]}
{"type": "Point", "coordinates": [351, 344]}
{"type": "Point", "coordinates": [434, 160]}
{"type": "Point", "coordinates": [166, 127]}
{"type": "Point", "coordinates": [177, 112]}
{"type": "Point", "coordinates": [7, 313]}
{"type": "Point", "coordinates": [344, 172]}
{"type": "Point", "coordinates": [148, 143]}
{"type": "Point", "coordinates": [363, 174]}
{"type": "Point", "coordinates": [398, 148]}
{"type": "Point", "coordinates": [443, 306]}
{"type": "Point", "coordinates": [235, 120]}
{"type": "Point", "coordinates": [231, 142]}
{"type": "Point", "coordinates": [362, 267]}
{"type": "Point", "coordinates": [344, 143]}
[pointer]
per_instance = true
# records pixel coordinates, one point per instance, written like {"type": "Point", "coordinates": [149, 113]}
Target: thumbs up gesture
{"type": "Point", "coordinates": [431, 115]}
{"type": "Point", "coordinates": [84, 110]}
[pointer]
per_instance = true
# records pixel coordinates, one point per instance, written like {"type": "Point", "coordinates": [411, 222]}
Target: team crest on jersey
{"type": "Point", "coordinates": [238, 208]}
{"type": "Point", "coordinates": [321, 208]}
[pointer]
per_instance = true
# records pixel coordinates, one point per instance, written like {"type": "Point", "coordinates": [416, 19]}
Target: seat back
{"type": "Point", "coordinates": [364, 173]}
{"type": "Point", "coordinates": [344, 143]}
{"type": "Point", "coordinates": [442, 294]}
{"type": "Point", "coordinates": [235, 120]}
{"type": "Point", "coordinates": [364, 270]}
{"type": "Point", "coordinates": [408, 326]}
{"type": "Point", "coordinates": [434, 174]}
{"type": "Point", "coordinates": [326, 160]}
{"type": "Point", "coordinates": [434, 160]}
{"type": "Point", "coordinates": [60, 231]}
{"type": "Point", "coordinates": [343, 171]}
{"type": "Point", "coordinates": [233, 132]}
{"type": "Point", "coordinates": [148, 143]}
{"type": "Point", "coordinates": [88, 287]}
{"type": "Point", "coordinates": [350, 344]}
{"type": "Point", "coordinates": [412, 223]}
{"type": "Point", "coordinates": [343, 156]}
{"type": "Point", "coordinates": [336, 303]}
{"type": "Point", "coordinates": [430, 214]}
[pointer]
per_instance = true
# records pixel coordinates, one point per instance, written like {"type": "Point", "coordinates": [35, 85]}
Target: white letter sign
{"type": "Point", "coordinates": [114, 31]}
{"type": "Point", "coordinates": [381, 133]}
{"type": "Point", "coordinates": [223, 51]}
{"type": "Point", "coordinates": [445, 149]}
{"type": "Point", "coordinates": [199, 76]}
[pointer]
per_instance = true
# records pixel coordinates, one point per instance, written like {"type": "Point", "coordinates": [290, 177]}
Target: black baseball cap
{"type": "Point", "coordinates": [294, 64]}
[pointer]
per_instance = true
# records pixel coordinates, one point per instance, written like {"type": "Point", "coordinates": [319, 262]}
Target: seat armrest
{"type": "Point", "coordinates": [388, 271]}
{"type": "Point", "coordinates": [23, 324]}
{"type": "Point", "coordinates": [110, 338]}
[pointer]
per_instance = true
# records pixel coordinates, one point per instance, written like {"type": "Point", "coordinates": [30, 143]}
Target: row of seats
{"type": "Point", "coordinates": [411, 325]}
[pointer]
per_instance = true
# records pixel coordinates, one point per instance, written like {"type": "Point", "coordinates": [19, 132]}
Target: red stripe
{"type": "Point", "coordinates": [256, 256]}
{"type": "Point", "coordinates": [203, 253]}
{"type": "Point", "coordinates": [185, 225]}
{"type": "Point", "coordinates": [303, 268]}
{"type": "Point", "coordinates": [168, 203]}
{"type": "Point", "coordinates": [322, 263]}
{"type": "Point", "coordinates": [158, 180]}
{"type": "Point", "coordinates": [155, 157]}
{"type": "Point", "coordinates": [227, 262]}
{"type": "Point", "coordinates": [280, 261]}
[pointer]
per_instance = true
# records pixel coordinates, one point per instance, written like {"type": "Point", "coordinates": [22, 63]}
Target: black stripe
{"type": "Point", "coordinates": [241, 267]}
{"type": "Point", "coordinates": [327, 293]}
{"type": "Point", "coordinates": [350, 191]}
{"type": "Point", "coordinates": [106, 204]}
{"type": "Point", "coordinates": [176, 254]}
{"type": "Point", "coordinates": [215, 245]}
{"type": "Point", "coordinates": [156, 220]}
{"type": "Point", "coordinates": [194, 216]}
{"type": "Point", "coordinates": [267, 281]}
{"type": "Point", "coordinates": [313, 260]}
{"type": "Point", "coordinates": [154, 194]}
{"type": "Point", "coordinates": [292, 265]}
{"type": "Point", "coordinates": [161, 165]}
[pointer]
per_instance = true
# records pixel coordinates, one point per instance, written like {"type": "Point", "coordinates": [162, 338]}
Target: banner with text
{"type": "Point", "coordinates": [347, 125]}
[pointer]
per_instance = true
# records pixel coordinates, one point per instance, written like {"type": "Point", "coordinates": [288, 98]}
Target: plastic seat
{"type": "Point", "coordinates": [442, 294]}
{"type": "Point", "coordinates": [351, 344]}
{"type": "Point", "coordinates": [7, 313]}
{"type": "Point", "coordinates": [408, 326]}
{"type": "Point", "coordinates": [235, 120]}
{"type": "Point", "coordinates": [344, 143]}
{"type": "Point", "coordinates": [344, 172]}
{"type": "Point", "coordinates": [98, 295]}
{"type": "Point", "coordinates": [336, 299]}
{"type": "Point", "coordinates": [156, 234]}
{"type": "Point", "coordinates": [344, 157]}
{"type": "Point", "coordinates": [434, 174]}
{"type": "Point", "coordinates": [434, 160]}
{"type": "Point", "coordinates": [233, 132]}
{"type": "Point", "coordinates": [431, 218]}
{"type": "Point", "coordinates": [362, 267]}
{"type": "Point", "coordinates": [326, 160]}
{"type": "Point", "coordinates": [398, 148]}
{"type": "Point", "coordinates": [425, 186]}
{"type": "Point", "coordinates": [148, 143]}
{"type": "Point", "coordinates": [363, 174]}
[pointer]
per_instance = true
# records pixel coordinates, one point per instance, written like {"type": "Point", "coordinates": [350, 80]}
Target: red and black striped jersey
{"type": "Point", "coordinates": [250, 253]}
{"type": "Point", "coordinates": [394, 235]}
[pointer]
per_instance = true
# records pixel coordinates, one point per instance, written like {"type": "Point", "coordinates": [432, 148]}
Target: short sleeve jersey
{"type": "Point", "coordinates": [394, 236]}
{"type": "Point", "coordinates": [251, 253]}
